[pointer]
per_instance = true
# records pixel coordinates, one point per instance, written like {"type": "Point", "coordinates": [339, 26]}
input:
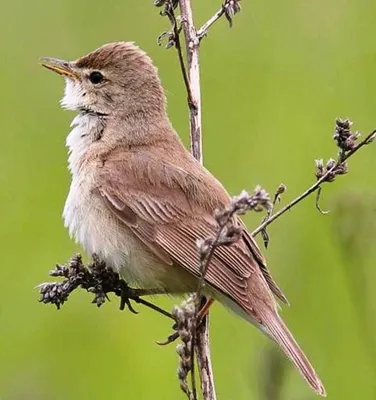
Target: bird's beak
{"type": "Point", "coordinates": [62, 67]}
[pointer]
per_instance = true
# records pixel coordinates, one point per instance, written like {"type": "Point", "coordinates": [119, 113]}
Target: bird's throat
{"type": "Point", "coordinates": [88, 128]}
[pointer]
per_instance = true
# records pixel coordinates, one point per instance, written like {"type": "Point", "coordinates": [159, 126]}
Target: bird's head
{"type": "Point", "coordinates": [117, 78]}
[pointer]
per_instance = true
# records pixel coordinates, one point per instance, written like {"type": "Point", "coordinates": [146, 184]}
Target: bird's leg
{"type": "Point", "coordinates": [126, 294]}
{"type": "Point", "coordinates": [204, 310]}
{"type": "Point", "coordinates": [200, 317]}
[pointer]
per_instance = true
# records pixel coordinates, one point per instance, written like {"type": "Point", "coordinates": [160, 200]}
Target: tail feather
{"type": "Point", "coordinates": [276, 328]}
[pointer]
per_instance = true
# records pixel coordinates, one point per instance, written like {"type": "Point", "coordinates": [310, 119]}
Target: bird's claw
{"type": "Point", "coordinates": [170, 339]}
{"type": "Point", "coordinates": [126, 295]}
{"type": "Point", "coordinates": [125, 301]}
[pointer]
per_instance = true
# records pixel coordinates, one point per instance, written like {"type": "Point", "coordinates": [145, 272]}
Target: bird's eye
{"type": "Point", "coordinates": [96, 77]}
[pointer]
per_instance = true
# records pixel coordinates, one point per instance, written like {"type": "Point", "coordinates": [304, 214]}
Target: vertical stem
{"type": "Point", "coordinates": [202, 345]}
{"type": "Point", "coordinates": [194, 100]}
{"type": "Point", "coordinates": [204, 360]}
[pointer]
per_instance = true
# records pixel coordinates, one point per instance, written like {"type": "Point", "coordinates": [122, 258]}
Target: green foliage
{"type": "Point", "coordinates": [272, 87]}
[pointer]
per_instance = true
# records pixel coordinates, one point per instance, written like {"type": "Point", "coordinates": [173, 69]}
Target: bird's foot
{"type": "Point", "coordinates": [127, 294]}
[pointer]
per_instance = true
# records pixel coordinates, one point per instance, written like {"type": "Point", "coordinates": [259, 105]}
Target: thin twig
{"type": "Point", "coordinates": [202, 32]}
{"type": "Point", "coordinates": [169, 11]}
{"type": "Point", "coordinates": [317, 185]}
{"type": "Point", "coordinates": [153, 307]}
{"type": "Point", "coordinates": [318, 196]}
{"type": "Point", "coordinates": [277, 198]}
{"type": "Point", "coordinates": [229, 230]}
{"type": "Point", "coordinates": [229, 8]}
{"type": "Point", "coordinates": [97, 279]}
{"type": "Point", "coordinates": [208, 255]}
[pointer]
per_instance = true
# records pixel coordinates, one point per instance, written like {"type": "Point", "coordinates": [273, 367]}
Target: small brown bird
{"type": "Point", "coordinates": [140, 201]}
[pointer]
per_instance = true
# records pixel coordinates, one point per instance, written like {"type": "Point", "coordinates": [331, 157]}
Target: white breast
{"type": "Point", "coordinates": [89, 223]}
{"type": "Point", "coordinates": [92, 225]}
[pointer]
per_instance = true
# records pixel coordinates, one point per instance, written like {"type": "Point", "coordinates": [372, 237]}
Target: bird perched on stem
{"type": "Point", "coordinates": [140, 201]}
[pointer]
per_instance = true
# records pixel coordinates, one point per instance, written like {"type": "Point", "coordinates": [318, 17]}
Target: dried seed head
{"type": "Point", "coordinates": [346, 140]}
{"type": "Point", "coordinates": [204, 246]}
{"type": "Point", "coordinates": [343, 126]}
{"type": "Point", "coordinates": [281, 189]}
{"type": "Point", "coordinates": [230, 235]}
{"type": "Point", "coordinates": [169, 36]}
{"type": "Point", "coordinates": [180, 349]}
{"type": "Point", "coordinates": [185, 318]}
{"type": "Point", "coordinates": [320, 170]}
{"type": "Point", "coordinates": [258, 201]}
{"type": "Point", "coordinates": [231, 8]}
{"type": "Point", "coordinates": [342, 169]}
{"type": "Point", "coordinates": [222, 216]}
{"type": "Point", "coordinates": [167, 3]}
{"type": "Point", "coordinates": [331, 163]}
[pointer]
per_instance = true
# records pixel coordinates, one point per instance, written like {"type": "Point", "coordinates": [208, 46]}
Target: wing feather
{"type": "Point", "coordinates": [171, 210]}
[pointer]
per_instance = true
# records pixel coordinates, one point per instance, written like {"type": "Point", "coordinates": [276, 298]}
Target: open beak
{"type": "Point", "coordinates": [62, 67]}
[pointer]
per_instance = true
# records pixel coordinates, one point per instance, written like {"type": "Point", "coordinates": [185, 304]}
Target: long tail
{"type": "Point", "coordinates": [276, 328]}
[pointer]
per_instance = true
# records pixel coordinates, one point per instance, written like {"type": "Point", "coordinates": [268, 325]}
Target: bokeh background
{"type": "Point", "coordinates": [272, 87]}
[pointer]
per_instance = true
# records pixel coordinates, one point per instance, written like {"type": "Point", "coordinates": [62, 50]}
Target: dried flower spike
{"type": "Point", "coordinates": [166, 3]}
{"type": "Point", "coordinates": [346, 140]}
{"type": "Point", "coordinates": [185, 321]}
{"type": "Point", "coordinates": [231, 7]}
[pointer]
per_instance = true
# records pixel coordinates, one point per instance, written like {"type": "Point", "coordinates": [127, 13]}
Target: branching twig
{"type": "Point", "coordinates": [229, 9]}
{"type": "Point", "coordinates": [192, 39]}
{"type": "Point", "coordinates": [277, 197]}
{"type": "Point", "coordinates": [96, 278]}
{"type": "Point", "coordinates": [174, 40]}
{"type": "Point", "coordinates": [191, 77]}
{"type": "Point", "coordinates": [200, 334]}
{"type": "Point", "coordinates": [323, 174]}
{"type": "Point", "coordinates": [229, 230]}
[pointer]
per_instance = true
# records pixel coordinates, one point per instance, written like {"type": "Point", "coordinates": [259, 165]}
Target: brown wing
{"type": "Point", "coordinates": [255, 250]}
{"type": "Point", "coordinates": [171, 210]}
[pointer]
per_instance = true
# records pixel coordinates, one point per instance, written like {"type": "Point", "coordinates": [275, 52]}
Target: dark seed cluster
{"type": "Point", "coordinates": [231, 7]}
{"type": "Point", "coordinates": [330, 170]}
{"type": "Point", "coordinates": [95, 278]}
{"type": "Point", "coordinates": [230, 230]}
{"type": "Point", "coordinates": [164, 3]}
{"type": "Point", "coordinates": [184, 316]}
{"type": "Point", "coordinates": [346, 140]}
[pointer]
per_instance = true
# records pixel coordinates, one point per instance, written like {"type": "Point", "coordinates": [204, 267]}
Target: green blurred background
{"type": "Point", "coordinates": [272, 87]}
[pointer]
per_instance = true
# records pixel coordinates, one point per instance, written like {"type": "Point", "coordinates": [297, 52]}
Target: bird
{"type": "Point", "coordinates": [140, 201]}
